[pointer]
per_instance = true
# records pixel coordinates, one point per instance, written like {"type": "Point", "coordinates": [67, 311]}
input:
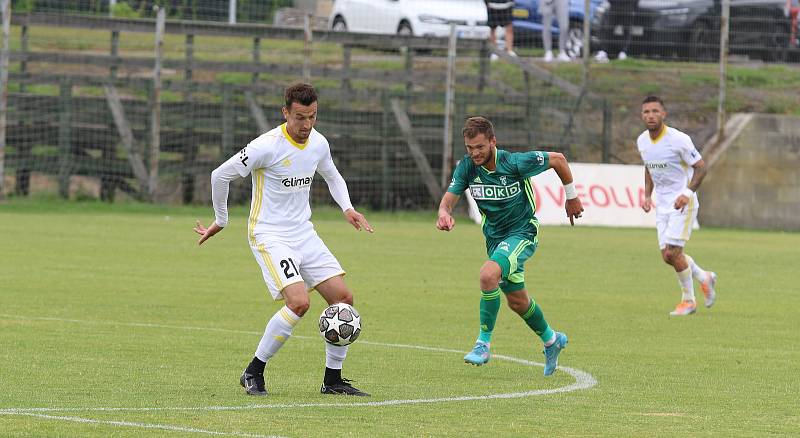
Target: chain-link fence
{"type": "Point", "coordinates": [96, 110]}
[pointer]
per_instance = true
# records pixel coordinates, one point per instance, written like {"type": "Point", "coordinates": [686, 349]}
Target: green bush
{"type": "Point", "coordinates": [124, 10]}
{"type": "Point", "coordinates": [23, 5]}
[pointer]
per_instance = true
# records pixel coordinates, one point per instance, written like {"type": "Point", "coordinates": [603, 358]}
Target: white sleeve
{"type": "Point", "coordinates": [336, 184]}
{"type": "Point", "coordinates": [689, 153]}
{"type": "Point", "coordinates": [221, 178]}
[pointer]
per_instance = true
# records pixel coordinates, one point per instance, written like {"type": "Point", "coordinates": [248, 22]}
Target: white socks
{"type": "Point", "coordinates": [278, 330]}
{"type": "Point", "coordinates": [687, 286]}
{"type": "Point", "coordinates": [697, 272]}
{"type": "Point", "coordinates": [334, 356]}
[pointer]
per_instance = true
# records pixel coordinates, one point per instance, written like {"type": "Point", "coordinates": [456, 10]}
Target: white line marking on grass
{"type": "Point", "coordinates": [583, 380]}
{"type": "Point", "coordinates": [140, 425]}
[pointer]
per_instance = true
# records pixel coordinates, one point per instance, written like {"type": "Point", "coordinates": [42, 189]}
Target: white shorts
{"type": "Point", "coordinates": [288, 262]}
{"type": "Point", "coordinates": [675, 226]}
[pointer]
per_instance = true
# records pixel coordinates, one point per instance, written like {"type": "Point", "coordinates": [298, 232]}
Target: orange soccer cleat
{"type": "Point", "coordinates": [684, 308]}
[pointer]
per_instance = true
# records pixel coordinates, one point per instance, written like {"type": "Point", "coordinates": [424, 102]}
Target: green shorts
{"type": "Point", "coordinates": [511, 254]}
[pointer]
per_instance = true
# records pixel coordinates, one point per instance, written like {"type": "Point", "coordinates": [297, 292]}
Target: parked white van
{"type": "Point", "coordinates": [411, 17]}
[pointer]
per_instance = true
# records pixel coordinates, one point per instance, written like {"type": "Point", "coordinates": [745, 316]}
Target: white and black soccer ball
{"type": "Point", "coordinates": [340, 324]}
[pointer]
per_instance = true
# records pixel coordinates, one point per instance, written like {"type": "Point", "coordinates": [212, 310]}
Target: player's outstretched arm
{"type": "Point", "coordinates": [357, 220]}
{"type": "Point", "coordinates": [573, 205]}
{"type": "Point", "coordinates": [446, 222]}
{"type": "Point", "coordinates": [206, 233]}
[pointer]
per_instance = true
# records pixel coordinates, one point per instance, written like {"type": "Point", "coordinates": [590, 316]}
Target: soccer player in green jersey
{"type": "Point", "coordinates": [499, 182]}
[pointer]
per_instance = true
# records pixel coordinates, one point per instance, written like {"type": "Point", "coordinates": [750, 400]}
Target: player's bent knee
{"type": "Point", "coordinates": [346, 297]}
{"type": "Point", "coordinates": [489, 278]}
{"type": "Point", "coordinates": [299, 308]}
{"type": "Point", "coordinates": [296, 299]}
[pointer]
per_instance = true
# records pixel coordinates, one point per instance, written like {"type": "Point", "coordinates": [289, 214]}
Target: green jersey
{"type": "Point", "coordinates": [504, 196]}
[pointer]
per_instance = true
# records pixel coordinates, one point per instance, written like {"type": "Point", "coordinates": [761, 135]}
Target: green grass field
{"type": "Point", "coordinates": [114, 322]}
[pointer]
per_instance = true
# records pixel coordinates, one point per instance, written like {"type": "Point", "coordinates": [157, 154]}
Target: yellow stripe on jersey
{"type": "Point", "coordinates": [258, 199]}
{"type": "Point", "coordinates": [689, 218]}
{"type": "Point", "coordinates": [660, 134]}
{"type": "Point", "coordinates": [529, 192]}
{"type": "Point", "coordinates": [512, 258]}
{"type": "Point", "coordinates": [300, 146]}
{"type": "Point", "coordinates": [268, 261]}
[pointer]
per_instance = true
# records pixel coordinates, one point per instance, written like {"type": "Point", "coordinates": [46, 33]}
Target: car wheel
{"type": "Point", "coordinates": [404, 29]}
{"type": "Point", "coordinates": [704, 42]}
{"type": "Point", "coordinates": [574, 46]}
{"type": "Point", "coordinates": [339, 25]}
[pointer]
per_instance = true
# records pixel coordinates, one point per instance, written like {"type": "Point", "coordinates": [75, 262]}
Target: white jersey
{"type": "Point", "coordinates": [282, 172]}
{"type": "Point", "coordinates": [669, 158]}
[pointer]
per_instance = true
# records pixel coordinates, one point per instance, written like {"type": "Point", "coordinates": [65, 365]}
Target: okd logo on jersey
{"type": "Point", "coordinates": [296, 183]}
{"type": "Point", "coordinates": [492, 192]}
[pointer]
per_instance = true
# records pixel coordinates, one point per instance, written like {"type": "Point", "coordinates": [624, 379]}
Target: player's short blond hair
{"type": "Point", "coordinates": [474, 126]}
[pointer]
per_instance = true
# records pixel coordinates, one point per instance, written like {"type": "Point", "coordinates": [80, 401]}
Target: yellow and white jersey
{"type": "Point", "coordinates": [669, 158]}
{"type": "Point", "coordinates": [282, 171]}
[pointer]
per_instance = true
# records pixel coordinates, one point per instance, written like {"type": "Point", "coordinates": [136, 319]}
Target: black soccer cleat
{"type": "Point", "coordinates": [342, 387]}
{"type": "Point", "coordinates": [253, 384]}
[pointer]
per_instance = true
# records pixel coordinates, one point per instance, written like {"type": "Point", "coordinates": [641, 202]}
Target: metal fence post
{"type": "Point", "coordinates": [188, 130]}
{"type": "Point", "coordinates": [450, 90]}
{"type": "Point", "coordinates": [64, 138]}
{"type": "Point", "coordinates": [23, 65]}
{"type": "Point", "coordinates": [723, 63]}
{"type": "Point", "coordinates": [256, 57]}
{"type": "Point", "coordinates": [384, 152]}
{"type": "Point", "coordinates": [606, 155]}
{"type": "Point", "coordinates": [155, 114]}
{"type": "Point", "coordinates": [5, 5]}
{"type": "Point", "coordinates": [114, 52]}
{"type": "Point", "coordinates": [307, 48]}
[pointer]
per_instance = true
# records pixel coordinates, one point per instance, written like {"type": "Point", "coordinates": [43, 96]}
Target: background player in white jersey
{"type": "Point", "coordinates": [675, 169]}
{"type": "Point", "coordinates": [292, 257]}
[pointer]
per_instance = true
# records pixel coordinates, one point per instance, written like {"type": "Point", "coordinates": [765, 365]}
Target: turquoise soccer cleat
{"type": "Point", "coordinates": [551, 353]}
{"type": "Point", "coordinates": [479, 354]}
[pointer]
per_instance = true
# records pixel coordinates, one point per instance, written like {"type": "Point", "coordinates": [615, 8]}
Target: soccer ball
{"type": "Point", "coordinates": [340, 324]}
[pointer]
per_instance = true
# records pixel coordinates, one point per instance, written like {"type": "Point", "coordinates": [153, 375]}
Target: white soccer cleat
{"type": "Point", "coordinates": [708, 288]}
{"type": "Point", "coordinates": [563, 57]}
{"type": "Point", "coordinates": [548, 56]}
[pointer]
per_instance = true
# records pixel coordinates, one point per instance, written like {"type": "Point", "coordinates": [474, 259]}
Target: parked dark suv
{"type": "Point", "coordinates": [689, 29]}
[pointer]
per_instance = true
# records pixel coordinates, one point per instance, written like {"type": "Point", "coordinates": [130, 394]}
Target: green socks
{"type": "Point", "coordinates": [535, 320]}
{"type": "Point", "coordinates": [490, 305]}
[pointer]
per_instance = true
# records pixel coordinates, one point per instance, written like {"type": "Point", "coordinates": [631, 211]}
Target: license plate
{"type": "Point", "coordinates": [520, 13]}
{"type": "Point", "coordinates": [637, 30]}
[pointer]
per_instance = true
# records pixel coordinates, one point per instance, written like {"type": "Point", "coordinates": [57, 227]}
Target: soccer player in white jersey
{"type": "Point", "coordinates": [675, 169]}
{"type": "Point", "coordinates": [293, 259]}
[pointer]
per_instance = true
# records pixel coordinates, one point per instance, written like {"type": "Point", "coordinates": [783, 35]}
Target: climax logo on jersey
{"type": "Point", "coordinates": [297, 182]}
{"type": "Point", "coordinates": [494, 193]}
{"type": "Point", "coordinates": [656, 165]}
{"type": "Point", "coordinates": [243, 156]}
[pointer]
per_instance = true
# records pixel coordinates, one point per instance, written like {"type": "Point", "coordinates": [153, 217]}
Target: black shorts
{"type": "Point", "coordinates": [499, 17]}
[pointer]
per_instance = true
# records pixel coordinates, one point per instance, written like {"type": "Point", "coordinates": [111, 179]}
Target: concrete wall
{"type": "Point", "coordinates": [755, 183]}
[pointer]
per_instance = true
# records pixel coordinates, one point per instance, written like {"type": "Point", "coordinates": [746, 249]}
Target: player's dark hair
{"type": "Point", "coordinates": [304, 94]}
{"type": "Point", "coordinates": [650, 99]}
{"type": "Point", "coordinates": [478, 125]}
